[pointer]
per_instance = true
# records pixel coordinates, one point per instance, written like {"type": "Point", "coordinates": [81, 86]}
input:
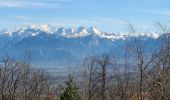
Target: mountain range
{"type": "Point", "coordinates": [60, 48]}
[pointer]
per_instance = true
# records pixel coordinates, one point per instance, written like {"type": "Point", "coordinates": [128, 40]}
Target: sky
{"type": "Point", "coordinates": [106, 15]}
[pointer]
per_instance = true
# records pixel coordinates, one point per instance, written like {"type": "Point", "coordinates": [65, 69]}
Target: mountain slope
{"type": "Point", "coordinates": [50, 46]}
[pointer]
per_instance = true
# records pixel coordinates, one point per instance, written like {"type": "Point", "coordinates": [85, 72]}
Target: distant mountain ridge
{"type": "Point", "coordinates": [52, 47]}
{"type": "Point", "coordinates": [33, 30]}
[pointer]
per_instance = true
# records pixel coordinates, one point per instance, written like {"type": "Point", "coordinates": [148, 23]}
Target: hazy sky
{"type": "Point", "coordinates": [107, 15]}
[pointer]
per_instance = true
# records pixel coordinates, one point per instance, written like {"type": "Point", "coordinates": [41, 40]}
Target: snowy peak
{"type": "Point", "coordinates": [44, 27]}
{"type": "Point", "coordinates": [63, 31]}
{"type": "Point", "coordinates": [82, 30]}
{"type": "Point", "coordinates": [94, 31]}
{"type": "Point", "coordinates": [77, 32]}
{"type": "Point", "coordinates": [31, 30]}
{"type": "Point", "coordinates": [141, 34]}
{"type": "Point", "coordinates": [34, 30]}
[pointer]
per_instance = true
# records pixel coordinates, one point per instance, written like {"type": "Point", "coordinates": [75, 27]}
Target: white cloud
{"type": "Point", "coordinates": [23, 17]}
{"type": "Point", "coordinates": [27, 4]}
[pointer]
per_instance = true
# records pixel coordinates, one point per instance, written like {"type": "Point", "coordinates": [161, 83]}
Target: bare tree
{"type": "Point", "coordinates": [103, 63]}
{"type": "Point", "coordinates": [143, 61]}
{"type": "Point", "coordinates": [18, 80]}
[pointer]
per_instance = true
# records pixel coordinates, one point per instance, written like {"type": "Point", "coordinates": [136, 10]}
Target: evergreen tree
{"type": "Point", "coordinates": [70, 92]}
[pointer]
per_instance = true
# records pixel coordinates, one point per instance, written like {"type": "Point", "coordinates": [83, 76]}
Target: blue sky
{"type": "Point", "coordinates": [106, 15]}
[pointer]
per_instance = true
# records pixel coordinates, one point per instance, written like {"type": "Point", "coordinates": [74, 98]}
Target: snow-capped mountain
{"type": "Point", "coordinates": [50, 45]}
{"type": "Point", "coordinates": [33, 30]}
